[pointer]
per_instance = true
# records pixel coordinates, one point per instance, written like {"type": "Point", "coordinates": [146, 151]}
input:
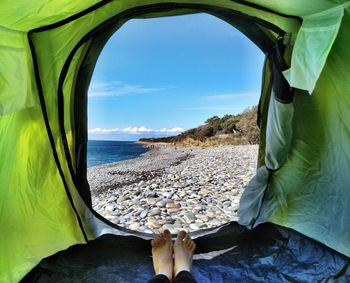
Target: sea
{"type": "Point", "coordinates": [102, 152]}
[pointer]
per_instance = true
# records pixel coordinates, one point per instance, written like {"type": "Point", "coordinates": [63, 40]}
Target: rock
{"type": "Point", "coordinates": [110, 207]}
{"type": "Point", "coordinates": [211, 214]}
{"type": "Point", "coordinates": [168, 195]}
{"type": "Point", "coordinates": [152, 195]}
{"type": "Point", "coordinates": [177, 224]}
{"type": "Point", "coordinates": [205, 218]}
{"type": "Point", "coordinates": [137, 212]}
{"type": "Point", "coordinates": [134, 226]}
{"type": "Point", "coordinates": [141, 183]}
{"type": "Point", "coordinates": [144, 213]}
{"type": "Point", "coordinates": [163, 202]}
{"type": "Point", "coordinates": [194, 226]}
{"type": "Point", "coordinates": [214, 222]}
{"type": "Point", "coordinates": [235, 208]}
{"type": "Point", "coordinates": [111, 199]}
{"type": "Point", "coordinates": [172, 207]}
{"type": "Point", "coordinates": [152, 223]}
{"type": "Point", "coordinates": [151, 200]}
{"type": "Point", "coordinates": [154, 186]}
{"type": "Point", "coordinates": [121, 199]}
{"type": "Point", "coordinates": [189, 217]}
{"type": "Point", "coordinates": [114, 220]}
{"type": "Point", "coordinates": [154, 212]}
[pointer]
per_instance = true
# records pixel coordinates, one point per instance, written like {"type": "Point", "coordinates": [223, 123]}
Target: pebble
{"type": "Point", "coordinates": [186, 188]}
{"type": "Point", "coordinates": [144, 213]}
{"type": "Point", "coordinates": [155, 211]}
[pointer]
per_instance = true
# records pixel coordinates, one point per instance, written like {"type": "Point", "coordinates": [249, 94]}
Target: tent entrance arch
{"type": "Point", "coordinates": [262, 33]}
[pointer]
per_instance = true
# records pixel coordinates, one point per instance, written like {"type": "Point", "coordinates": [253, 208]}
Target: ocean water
{"type": "Point", "coordinates": [102, 152]}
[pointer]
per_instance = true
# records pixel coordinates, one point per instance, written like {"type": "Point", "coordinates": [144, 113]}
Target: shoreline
{"type": "Point", "coordinates": [173, 188]}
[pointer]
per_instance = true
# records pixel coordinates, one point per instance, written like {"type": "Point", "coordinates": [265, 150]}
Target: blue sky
{"type": "Point", "coordinates": [158, 77]}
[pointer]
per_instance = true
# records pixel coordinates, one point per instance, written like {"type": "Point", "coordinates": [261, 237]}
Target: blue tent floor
{"type": "Point", "coordinates": [266, 254]}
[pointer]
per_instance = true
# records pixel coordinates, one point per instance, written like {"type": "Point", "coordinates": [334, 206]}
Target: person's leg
{"type": "Point", "coordinates": [183, 253]}
{"type": "Point", "coordinates": [162, 254]}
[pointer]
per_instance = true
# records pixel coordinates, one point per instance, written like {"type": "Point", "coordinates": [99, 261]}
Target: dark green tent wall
{"type": "Point", "coordinates": [48, 50]}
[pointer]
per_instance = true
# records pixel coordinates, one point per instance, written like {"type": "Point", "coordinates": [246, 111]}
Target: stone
{"type": "Point", "coordinates": [163, 202]}
{"type": "Point", "coordinates": [121, 199]}
{"type": "Point", "coordinates": [235, 208]}
{"type": "Point", "coordinates": [154, 186]}
{"type": "Point", "coordinates": [111, 199]}
{"type": "Point", "coordinates": [154, 212]}
{"type": "Point", "coordinates": [144, 213]}
{"type": "Point", "coordinates": [114, 220]}
{"type": "Point", "coordinates": [168, 195]}
{"type": "Point", "coordinates": [211, 214]}
{"type": "Point", "coordinates": [134, 226]}
{"type": "Point", "coordinates": [214, 222]}
{"type": "Point", "coordinates": [110, 207]}
{"type": "Point", "coordinates": [152, 200]}
{"type": "Point", "coordinates": [172, 207]}
{"type": "Point", "coordinates": [189, 217]}
{"type": "Point", "coordinates": [152, 223]}
{"type": "Point", "coordinates": [194, 226]}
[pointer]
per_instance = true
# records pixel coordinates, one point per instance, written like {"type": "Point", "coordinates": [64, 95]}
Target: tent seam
{"type": "Point", "coordinates": [49, 133]}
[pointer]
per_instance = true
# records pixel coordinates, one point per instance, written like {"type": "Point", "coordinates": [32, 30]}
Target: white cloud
{"type": "Point", "coordinates": [100, 88]}
{"type": "Point", "coordinates": [229, 96]}
{"type": "Point", "coordinates": [103, 131]}
{"type": "Point", "coordinates": [135, 131]}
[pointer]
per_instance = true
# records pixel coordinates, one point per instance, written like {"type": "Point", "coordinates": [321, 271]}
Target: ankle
{"type": "Point", "coordinates": [182, 267]}
{"type": "Point", "coordinates": [166, 273]}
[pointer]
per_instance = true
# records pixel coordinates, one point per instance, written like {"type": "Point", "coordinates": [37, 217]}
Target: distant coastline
{"type": "Point", "coordinates": [237, 129]}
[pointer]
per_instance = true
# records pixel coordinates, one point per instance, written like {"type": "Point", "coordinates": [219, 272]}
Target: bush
{"type": "Point", "coordinates": [217, 128]}
{"type": "Point", "coordinates": [204, 132]}
{"type": "Point", "coordinates": [213, 120]}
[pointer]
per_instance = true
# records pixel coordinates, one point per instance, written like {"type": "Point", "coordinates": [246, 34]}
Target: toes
{"type": "Point", "coordinates": [181, 236]}
{"type": "Point", "coordinates": [188, 244]}
{"type": "Point", "coordinates": [167, 233]}
{"type": "Point", "coordinates": [158, 241]}
{"type": "Point", "coordinates": [192, 246]}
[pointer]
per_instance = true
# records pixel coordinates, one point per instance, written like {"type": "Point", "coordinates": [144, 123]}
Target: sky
{"type": "Point", "coordinates": [159, 77]}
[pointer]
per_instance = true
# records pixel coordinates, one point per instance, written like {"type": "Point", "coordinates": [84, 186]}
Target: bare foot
{"type": "Point", "coordinates": [183, 252]}
{"type": "Point", "coordinates": [162, 254]}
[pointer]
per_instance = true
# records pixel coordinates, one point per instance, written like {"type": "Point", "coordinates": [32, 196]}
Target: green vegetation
{"type": "Point", "coordinates": [230, 129]}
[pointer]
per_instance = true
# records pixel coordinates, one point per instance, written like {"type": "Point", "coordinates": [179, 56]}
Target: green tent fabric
{"type": "Point", "coordinates": [48, 50]}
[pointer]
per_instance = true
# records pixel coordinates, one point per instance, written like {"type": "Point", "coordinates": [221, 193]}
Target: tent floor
{"type": "Point", "coordinates": [266, 254]}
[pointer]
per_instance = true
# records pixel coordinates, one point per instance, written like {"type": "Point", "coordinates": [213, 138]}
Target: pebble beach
{"type": "Point", "coordinates": [174, 188]}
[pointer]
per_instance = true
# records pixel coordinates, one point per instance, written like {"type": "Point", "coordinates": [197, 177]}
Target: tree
{"type": "Point", "coordinates": [213, 120]}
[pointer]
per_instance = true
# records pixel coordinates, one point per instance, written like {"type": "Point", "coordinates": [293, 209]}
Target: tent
{"type": "Point", "coordinates": [297, 205]}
